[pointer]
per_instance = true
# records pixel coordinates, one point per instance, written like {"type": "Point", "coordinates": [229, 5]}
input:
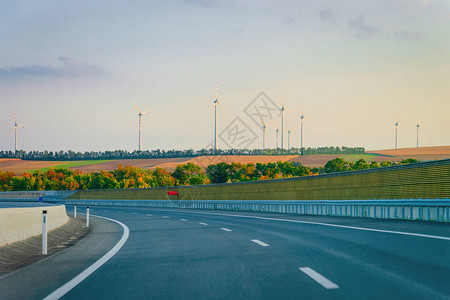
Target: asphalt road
{"type": "Point", "coordinates": [176, 254]}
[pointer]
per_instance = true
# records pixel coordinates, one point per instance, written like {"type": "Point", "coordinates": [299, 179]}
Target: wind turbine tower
{"type": "Point", "coordinates": [216, 101]}
{"type": "Point", "coordinates": [277, 131]}
{"type": "Point", "coordinates": [289, 139]}
{"type": "Point", "coordinates": [15, 131]}
{"type": "Point", "coordinates": [302, 117]}
{"type": "Point", "coordinates": [140, 114]}
{"type": "Point", "coordinates": [417, 133]}
{"type": "Point", "coordinates": [396, 128]}
{"type": "Point", "coordinates": [264, 132]}
{"type": "Point", "coordinates": [283, 109]}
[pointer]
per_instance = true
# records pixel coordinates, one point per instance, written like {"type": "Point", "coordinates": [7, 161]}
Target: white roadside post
{"type": "Point", "coordinates": [87, 216]}
{"type": "Point", "coordinates": [44, 232]}
{"type": "Point", "coordinates": [74, 211]}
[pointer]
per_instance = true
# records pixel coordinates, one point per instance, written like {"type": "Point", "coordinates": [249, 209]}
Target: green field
{"type": "Point", "coordinates": [72, 164]}
{"type": "Point", "coordinates": [356, 157]}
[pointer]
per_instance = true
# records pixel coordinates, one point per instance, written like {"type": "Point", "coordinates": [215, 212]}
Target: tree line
{"type": "Point", "coordinates": [184, 174]}
{"type": "Point", "coordinates": [124, 154]}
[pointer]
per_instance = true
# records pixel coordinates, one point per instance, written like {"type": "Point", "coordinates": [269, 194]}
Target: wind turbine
{"type": "Point", "coordinates": [283, 109]}
{"type": "Point", "coordinates": [302, 117]}
{"type": "Point", "coordinates": [15, 131]}
{"type": "Point", "coordinates": [216, 101]}
{"type": "Point", "coordinates": [140, 114]}
{"type": "Point", "coordinates": [417, 133]}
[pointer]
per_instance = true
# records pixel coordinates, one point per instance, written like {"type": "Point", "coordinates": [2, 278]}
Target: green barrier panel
{"type": "Point", "coordinates": [425, 180]}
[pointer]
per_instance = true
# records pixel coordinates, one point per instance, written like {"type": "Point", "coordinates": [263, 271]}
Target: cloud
{"type": "Point", "coordinates": [71, 67]}
{"type": "Point", "coordinates": [362, 29]}
{"type": "Point", "coordinates": [407, 35]}
{"type": "Point", "coordinates": [204, 3]}
{"type": "Point", "coordinates": [328, 15]}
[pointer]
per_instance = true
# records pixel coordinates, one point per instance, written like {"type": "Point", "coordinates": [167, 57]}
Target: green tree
{"type": "Point", "coordinates": [409, 161]}
{"type": "Point", "coordinates": [189, 174]}
{"type": "Point", "coordinates": [337, 165]}
{"type": "Point", "coordinates": [374, 164]}
{"type": "Point", "coordinates": [103, 180]}
{"type": "Point", "coordinates": [218, 173]}
{"type": "Point", "coordinates": [361, 165]}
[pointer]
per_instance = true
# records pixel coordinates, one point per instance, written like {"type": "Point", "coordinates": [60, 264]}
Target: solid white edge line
{"type": "Point", "coordinates": [261, 243]}
{"type": "Point", "coordinates": [319, 278]}
{"type": "Point", "coordinates": [325, 224]}
{"type": "Point", "coordinates": [58, 293]}
{"type": "Point", "coordinates": [226, 229]}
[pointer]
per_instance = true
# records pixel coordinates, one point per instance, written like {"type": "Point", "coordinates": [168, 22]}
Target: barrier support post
{"type": "Point", "coordinates": [44, 232]}
{"type": "Point", "coordinates": [87, 216]}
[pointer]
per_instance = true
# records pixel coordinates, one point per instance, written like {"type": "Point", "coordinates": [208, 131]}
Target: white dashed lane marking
{"type": "Point", "coordinates": [261, 243]}
{"type": "Point", "coordinates": [319, 278]}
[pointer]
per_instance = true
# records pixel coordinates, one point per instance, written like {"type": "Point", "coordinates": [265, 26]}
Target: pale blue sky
{"type": "Point", "coordinates": [71, 70]}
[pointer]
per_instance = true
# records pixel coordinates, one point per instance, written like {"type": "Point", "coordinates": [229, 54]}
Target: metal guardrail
{"type": "Point", "coordinates": [404, 209]}
{"type": "Point", "coordinates": [21, 195]}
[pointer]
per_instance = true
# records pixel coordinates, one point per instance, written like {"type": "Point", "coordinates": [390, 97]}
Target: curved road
{"type": "Point", "coordinates": [179, 254]}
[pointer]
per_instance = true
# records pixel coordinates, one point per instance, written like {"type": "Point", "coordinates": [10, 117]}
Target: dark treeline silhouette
{"type": "Point", "coordinates": [184, 174]}
{"type": "Point", "coordinates": [124, 154]}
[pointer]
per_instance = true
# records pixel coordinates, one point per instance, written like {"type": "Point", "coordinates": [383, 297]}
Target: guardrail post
{"type": "Point", "coordinates": [75, 211]}
{"type": "Point", "coordinates": [44, 232]}
{"type": "Point", "coordinates": [87, 216]}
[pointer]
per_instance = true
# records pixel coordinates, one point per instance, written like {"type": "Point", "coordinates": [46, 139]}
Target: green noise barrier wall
{"type": "Point", "coordinates": [424, 180]}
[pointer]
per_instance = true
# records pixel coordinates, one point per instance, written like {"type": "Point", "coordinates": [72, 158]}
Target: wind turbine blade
{"type": "Point", "coordinates": [301, 109]}
{"type": "Point", "coordinates": [12, 130]}
{"type": "Point", "coordinates": [289, 110]}
{"type": "Point", "coordinates": [213, 106]}
{"type": "Point", "coordinates": [308, 119]}
{"type": "Point", "coordinates": [23, 126]}
{"type": "Point", "coordinates": [220, 104]}
{"type": "Point", "coordinates": [136, 107]}
{"type": "Point", "coordinates": [281, 100]}
{"type": "Point", "coordinates": [146, 112]}
{"type": "Point", "coordinates": [217, 91]}
{"type": "Point", "coordinates": [14, 116]}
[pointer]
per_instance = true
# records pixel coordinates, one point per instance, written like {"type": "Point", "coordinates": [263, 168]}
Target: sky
{"type": "Point", "coordinates": [71, 70]}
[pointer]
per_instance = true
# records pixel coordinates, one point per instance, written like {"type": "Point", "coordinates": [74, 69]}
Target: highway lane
{"type": "Point", "coordinates": [223, 255]}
